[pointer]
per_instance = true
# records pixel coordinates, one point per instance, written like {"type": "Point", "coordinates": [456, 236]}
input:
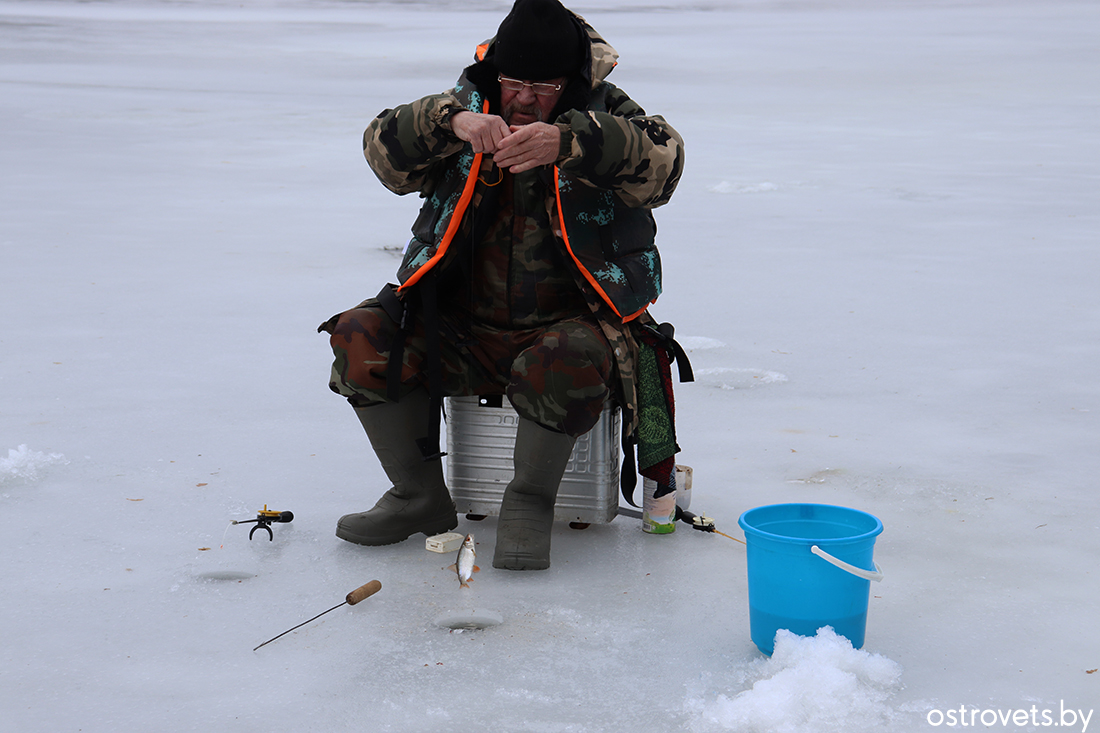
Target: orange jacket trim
{"type": "Point", "coordinates": [455, 221]}
{"type": "Point", "coordinates": [580, 266]}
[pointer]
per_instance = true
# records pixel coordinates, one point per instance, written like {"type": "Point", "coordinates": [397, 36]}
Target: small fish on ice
{"type": "Point", "coordinates": [464, 566]}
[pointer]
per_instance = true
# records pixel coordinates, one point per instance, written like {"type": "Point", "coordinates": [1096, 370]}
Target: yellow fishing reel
{"type": "Point", "coordinates": [264, 519]}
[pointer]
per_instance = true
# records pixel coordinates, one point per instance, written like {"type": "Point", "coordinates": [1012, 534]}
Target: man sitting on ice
{"type": "Point", "coordinates": [532, 254]}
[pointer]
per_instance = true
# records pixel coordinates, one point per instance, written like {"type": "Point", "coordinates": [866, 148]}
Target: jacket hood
{"type": "Point", "coordinates": [602, 56]}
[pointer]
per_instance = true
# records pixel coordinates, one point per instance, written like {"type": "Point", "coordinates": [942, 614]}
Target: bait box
{"type": "Point", "coordinates": [481, 434]}
{"type": "Point", "coordinates": [443, 543]}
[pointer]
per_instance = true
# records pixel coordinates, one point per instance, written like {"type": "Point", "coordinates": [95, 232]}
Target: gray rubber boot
{"type": "Point", "coordinates": [527, 510]}
{"type": "Point", "coordinates": [419, 500]}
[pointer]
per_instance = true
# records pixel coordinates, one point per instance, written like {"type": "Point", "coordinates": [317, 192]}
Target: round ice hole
{"type": "Point", "coordinates": [226, 575]}
{"type": "Point", "coordinates": [478, 618]}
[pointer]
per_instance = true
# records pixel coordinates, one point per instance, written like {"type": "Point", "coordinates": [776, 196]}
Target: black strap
{"type": "Point", "coordinates": [628, 476]}
{"type": "Point", "coordinates": [399, 312]}
{"type": "Point", "coordinates": [429, 446]}
{"type": "Point", "coordinates": [393, 305]}
{"type": "Point", "coordinates": [683, 367]}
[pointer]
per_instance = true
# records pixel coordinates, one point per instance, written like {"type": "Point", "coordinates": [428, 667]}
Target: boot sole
{"type": "Point", "coordinates": [437, 527]}
{"type": "Point", "coordinates": [521, 562]}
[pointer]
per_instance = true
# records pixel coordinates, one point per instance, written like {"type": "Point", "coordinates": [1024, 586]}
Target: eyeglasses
{"type": "Point", "coordinates": [540, 88]}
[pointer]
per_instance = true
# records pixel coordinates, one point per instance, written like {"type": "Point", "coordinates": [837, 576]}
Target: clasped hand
{"type": "Point", "coordinates": [516, 148]}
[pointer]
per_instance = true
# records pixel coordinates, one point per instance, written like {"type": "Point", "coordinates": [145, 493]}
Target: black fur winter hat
{"type": "Point", "coordinates": [538, 40]}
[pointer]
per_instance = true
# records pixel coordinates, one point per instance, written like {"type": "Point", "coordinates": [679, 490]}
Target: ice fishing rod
{"type": "Point", "coordinates": [361, 593]}
{"type": "Point", "coordinates": [702, 523]}
{"type": "Point", "coordinates": [263, 520]}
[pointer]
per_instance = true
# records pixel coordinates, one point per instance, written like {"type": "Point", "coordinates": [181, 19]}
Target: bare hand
{"type": "Point", "coordinates": [528, 146]}
{"type": "Point", "coordinates": [483, 132]}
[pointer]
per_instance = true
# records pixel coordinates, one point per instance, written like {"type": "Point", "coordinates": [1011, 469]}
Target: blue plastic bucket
{"type": "Point", "coordinates": [808, 568]}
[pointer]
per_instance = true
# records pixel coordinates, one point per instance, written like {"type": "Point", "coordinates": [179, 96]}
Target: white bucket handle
{"type": "Point", "coordinates": [875, 575]}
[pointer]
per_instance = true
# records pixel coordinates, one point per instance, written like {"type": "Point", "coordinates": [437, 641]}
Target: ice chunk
{"type": "Point", "coordinates": [23, 463]}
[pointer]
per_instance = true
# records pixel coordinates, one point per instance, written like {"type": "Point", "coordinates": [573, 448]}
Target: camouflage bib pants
{"type": "Point", "coordinates": [558, 375]}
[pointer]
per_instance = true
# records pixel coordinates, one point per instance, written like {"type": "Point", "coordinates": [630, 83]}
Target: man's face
{"type": "Point", "coordinates": [524, 106]}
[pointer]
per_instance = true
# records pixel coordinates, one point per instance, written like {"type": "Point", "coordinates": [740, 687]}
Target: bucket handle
{"type": "Point", "coordinates": [875, 575]}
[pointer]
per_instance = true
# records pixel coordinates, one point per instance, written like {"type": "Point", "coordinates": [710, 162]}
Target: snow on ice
{"type": "Point", "coordinates": [23, 463]}
{"type": "Point", "coordinates": [810, 685]}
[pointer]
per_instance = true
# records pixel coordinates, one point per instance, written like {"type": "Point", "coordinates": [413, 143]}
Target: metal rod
{"type": "Point", "coordinates": [302, 624]}
{"type": "Point", "coordinates": [361, 593]}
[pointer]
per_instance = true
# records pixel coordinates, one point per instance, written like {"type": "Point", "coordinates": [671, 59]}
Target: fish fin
{"type": "Point", "coordinates": [477, 569]}
{"type": "Point", "coordinates": [463, 584]}
{"type": "Point", "coordinates": [453, 567]}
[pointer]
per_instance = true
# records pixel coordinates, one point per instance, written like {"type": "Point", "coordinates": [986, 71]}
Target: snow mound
{"type": "Point", "coordinates": [699, 343]}
{"type": "Point", "coordinates": [739, 378]}
{"type": "Point", "coordinates": [23, 463]}
{"type": "Point", "coordinates": [727, 187]}
{"type": "Point", "coordinates": [809, 685]}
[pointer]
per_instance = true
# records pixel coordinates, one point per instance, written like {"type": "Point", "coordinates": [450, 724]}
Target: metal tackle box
{"type": "Point", "coordinates": [481, 434]}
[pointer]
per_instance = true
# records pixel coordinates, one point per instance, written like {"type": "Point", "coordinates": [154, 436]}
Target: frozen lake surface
{"type": "Point", "coordinates": [883, 257]}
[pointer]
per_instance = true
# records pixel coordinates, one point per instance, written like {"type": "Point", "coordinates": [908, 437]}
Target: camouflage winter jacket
{"type": "Point", "coordinates": [616, 165]}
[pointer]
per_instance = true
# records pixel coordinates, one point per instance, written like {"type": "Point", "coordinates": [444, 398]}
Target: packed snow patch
{"type": "Point", "coordinates": [699, 343]}
{"type": "Point", "coordinates": [809, 685]}
{"type": "Point", "coordinates": [738, 377]}
{"type": "Point", "coordinates": [727, 187]}
{"type": "Point", "coordinates": [23, 463]}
